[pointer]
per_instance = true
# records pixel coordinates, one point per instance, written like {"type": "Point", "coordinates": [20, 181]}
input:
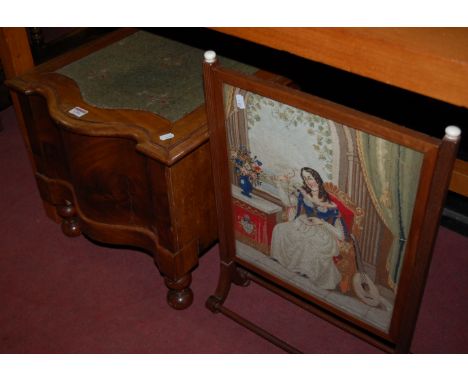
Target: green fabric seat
{"type": "Point", "coordinates": [145, 72]}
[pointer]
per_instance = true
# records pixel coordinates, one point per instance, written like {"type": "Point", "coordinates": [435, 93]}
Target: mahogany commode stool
{"type": "Point", "coordinates": [118, 138]}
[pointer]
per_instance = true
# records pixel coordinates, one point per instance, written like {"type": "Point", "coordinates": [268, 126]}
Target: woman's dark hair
{"type": "Point", "coordinates": [323, 195]}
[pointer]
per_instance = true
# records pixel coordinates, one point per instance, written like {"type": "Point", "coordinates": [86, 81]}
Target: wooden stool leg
{"type": "Point", "coordinates": [179, 296]}
{"type": "Point", "coordinates": [70, 222]}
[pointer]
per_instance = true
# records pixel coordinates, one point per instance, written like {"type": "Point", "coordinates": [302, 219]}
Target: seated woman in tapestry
{"type": "Point", "coordinates": [308, 243]}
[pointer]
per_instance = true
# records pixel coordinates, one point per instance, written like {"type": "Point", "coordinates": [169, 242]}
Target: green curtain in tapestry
{"type": "Point", "coordinates": [392, 173]}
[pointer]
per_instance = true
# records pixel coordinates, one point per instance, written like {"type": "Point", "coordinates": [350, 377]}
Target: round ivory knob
{"type": "Point", "coordinates": [452, 132]}
{"type": "Point", "coordinates": [210, 56]}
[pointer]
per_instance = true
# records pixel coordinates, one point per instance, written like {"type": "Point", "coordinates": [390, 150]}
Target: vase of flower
{"type": "Point", "coordinates": [248, 169]}
{"type": "Point", "coordinates": [245, 185]}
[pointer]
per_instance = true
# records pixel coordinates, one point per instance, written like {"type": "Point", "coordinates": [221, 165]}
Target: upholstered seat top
{"type": "Point", "coordinates": [145, 72]}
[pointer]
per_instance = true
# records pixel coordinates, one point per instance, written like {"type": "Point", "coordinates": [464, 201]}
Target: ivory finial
{"type": "Point", "coordinates": [452, 132]}
{"type": "Point", "coordinates": [210, 56]}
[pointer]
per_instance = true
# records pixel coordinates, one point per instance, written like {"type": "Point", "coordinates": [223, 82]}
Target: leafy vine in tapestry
{"type": "Point", "coordinates": [293, 118]}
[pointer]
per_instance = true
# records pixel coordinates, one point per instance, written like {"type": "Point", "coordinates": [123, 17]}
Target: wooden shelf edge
{"type": "Point", "coordinates": [459, 181]}
{"type": "Point", "coordinates": [428, 61]}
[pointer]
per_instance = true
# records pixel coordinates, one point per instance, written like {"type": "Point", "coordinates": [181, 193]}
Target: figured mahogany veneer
{"type": "Point", "coordinates": [108, 174]}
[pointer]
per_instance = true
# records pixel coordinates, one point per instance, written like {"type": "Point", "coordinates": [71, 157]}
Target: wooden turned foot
{"type": "Point", "coordinates": [213, 303]}
{"type": "Point", "coordinates": [241, 277]}
{"type": "Point", "coordinates": [179, 295]}
{"type": "Point", "coordinates": [70, 222]}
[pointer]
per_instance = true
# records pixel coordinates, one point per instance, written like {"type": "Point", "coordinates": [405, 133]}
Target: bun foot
{"type": "Point", "coordinates": [71, 228]}
{"type": "Point", "coordinates": [179, 295]}
{"type": "Point", "coordinates": [70, 222]}
{"type": "Point", "coordinates": [180, 299]}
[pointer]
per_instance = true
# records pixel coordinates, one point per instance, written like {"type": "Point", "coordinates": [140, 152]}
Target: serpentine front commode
{"type": "Point", "coordinates": [118, 137]}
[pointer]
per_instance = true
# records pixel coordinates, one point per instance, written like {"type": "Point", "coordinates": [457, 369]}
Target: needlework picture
{"type": "Point", "coordinates": [324, 207]}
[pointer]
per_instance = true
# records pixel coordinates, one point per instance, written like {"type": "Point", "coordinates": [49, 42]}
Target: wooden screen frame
{"type": "Point", "coordinates": [438, 158]}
